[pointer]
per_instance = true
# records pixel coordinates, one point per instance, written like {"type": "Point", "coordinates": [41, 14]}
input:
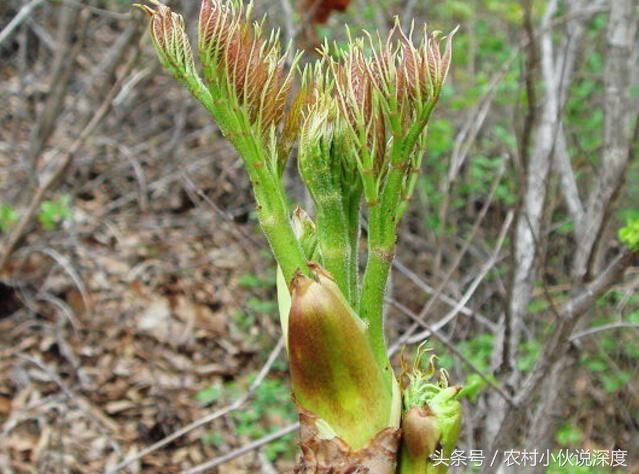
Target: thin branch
{"type": "Point", "coordinates": [408, 336]}
{"type": "Point", "coordinates": [569, 188]}
{"type": "Point", "coordinates": [429, 290]}
{"type": "Point", "coordinates": [556, 346]}
{"type": "Point", "coordinates": [27, 218]}
{"type": "Point", "coordinates": [602, 328]}
{"type": "Point", "coordinates": [617, 136]}
{"type": "Point", "coordinates": [99, 420]}
{"type": "Point", "coordinates": [17, 20]}
{"type": "Point", "coordinates": [459, 257]}
{"type": "Point", "coordinates": [531, 65]}
{"type": "Point", "coordinates": [463, 144]}
{"type": "Point", "coordinates": [236, 453]}
{"type": "Point", "coordinates": [208, 418]}
{"type": "Point", "coordinates": [66, 265]}
{"type": "Point", "coordinates": [288, 21]}
{"type": "Point", "coordinates": [451, 347]}
{"type": "Point", "coordinates": [407, 14]}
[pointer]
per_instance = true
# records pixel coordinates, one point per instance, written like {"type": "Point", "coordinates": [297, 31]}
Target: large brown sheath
{"type": "Point", "coordinates": [334, 456]}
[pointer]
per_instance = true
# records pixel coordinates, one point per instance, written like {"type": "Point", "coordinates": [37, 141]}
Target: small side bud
{"type": "Point", "coordinates": [421, 432]}
{"type": "Point", "coordinates": [432, 416]}
{"type": "Point", "coordinates": [305, 231]}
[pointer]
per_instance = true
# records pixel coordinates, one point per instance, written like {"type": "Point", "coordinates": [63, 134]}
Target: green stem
{"type": "Point", "coordinates": [382, 232]}
{"type": "Point", "coordinates": [321, 170]}
{"type": "Point", "coordinates": [333, 237]}
{"type": "Point", "coordinates": [274, 220]}
{"type": "Point", "coordinates": [372, 301]}
{"type": "Point", "coordinates": [272, 209]}
{"type": "Point", "coordinates": [352, 220]}
{"type": "Point", "coordinates": [410, 465]}
{"type": "Point", "coordinates": [381, 250]}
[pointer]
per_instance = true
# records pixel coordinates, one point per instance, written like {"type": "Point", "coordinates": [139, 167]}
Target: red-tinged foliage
{"type": "Point", "coordinates": [322, 9]}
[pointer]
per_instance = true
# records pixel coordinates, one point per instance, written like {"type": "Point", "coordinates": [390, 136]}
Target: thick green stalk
{"type": "Point", "coordinates": [274, 221]}
{"type": "Point", "coordinates": [272, 209]}
{"type": "Point", "coordinates": [352, 208]}
{"type": "Point", "coordinates": [372, 301]}
{"type": "Point", "coordinates": [322, 174]}
{"type": "Point", "coordinates": [382, 233]}
{"type": "Point", "coordinates": [332, 233]}
{"type": "Point", "coordinates": [381, 251]}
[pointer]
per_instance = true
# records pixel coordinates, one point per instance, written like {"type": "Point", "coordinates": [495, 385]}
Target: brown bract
{"type": "Point", "coordinates": [334, 456]}
{"type": "Point", "coordinates": [321, 9]}
{"type": "Point", "coordinates": [420, 431]}
{"type": "Point", "coordinates": [334, 372]}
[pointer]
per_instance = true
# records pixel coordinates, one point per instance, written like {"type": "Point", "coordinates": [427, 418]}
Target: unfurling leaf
{"type": "Point", "coordinates": [432, 416]}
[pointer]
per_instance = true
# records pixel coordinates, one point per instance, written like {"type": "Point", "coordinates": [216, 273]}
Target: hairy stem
{"type": "Point", "coordinates": [333, 236]}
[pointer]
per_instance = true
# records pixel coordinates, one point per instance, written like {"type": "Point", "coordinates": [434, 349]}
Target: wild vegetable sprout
{"type": "Point", "coordinates": [358, 119]}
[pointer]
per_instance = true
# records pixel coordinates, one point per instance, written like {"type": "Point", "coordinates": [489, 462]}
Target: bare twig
{"type": "Point", "coordinates": [463, 144]}
{"type": "Point", "coordinates": [488, 265]}
{"type": "Point", "coordinates": [556, 347]}
{"type": "Point", "coordinates": [101, 422]}
{"type": "Point", "coordinates": [17, 20]}
{"type": "Point", "coordinates": [99, 11]}
{"type": "Point", "coordinates": [70, 22]}
{"type": "Point", "coordinates": [429, 290]}
{"type": "Point", "coordinates": [557, 72]}
{"type": "Point", "coordinates": [602, 328]}
{"type": "Point", "coordinates": [459, 257]}
{"type": "Point", "coordinates": [208, 418]}
{"type": "Point", "coordinates": [288, 22]}
{"type": "Point", "coordinates": [433, 331]}
{"type": "Point", "coordinates": [407, 14]}
{"type": "Point", "coordinates": [66, 265]}
{"type": "Point", "coordinates": [258, 443]}
{"type": "Point", "coordinates": [27, 218]}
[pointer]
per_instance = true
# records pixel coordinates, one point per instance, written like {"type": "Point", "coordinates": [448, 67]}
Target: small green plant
{"type": "Point", "coordinates": [243, 320]}
{"type": "Point", "coordinates": [8, 216]}
{"type": "Point", "coordinates": [569, 435]}
{"type": "Point", "coordinates": [209, 395]}
{"type": "Point", "coordinates": [270, 409]}
{"type": "Point", "coordinates": [250, 280]}
{"type": "Point", "coordinates": [213, 438]}
{"type": "Point", "coordinates": [629, 235]}
{"type": "Point", "coordinates": [53, 212]}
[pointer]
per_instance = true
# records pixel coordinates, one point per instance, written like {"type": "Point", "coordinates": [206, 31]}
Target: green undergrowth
{"type": "Point", "coordinates": [268, 410]}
